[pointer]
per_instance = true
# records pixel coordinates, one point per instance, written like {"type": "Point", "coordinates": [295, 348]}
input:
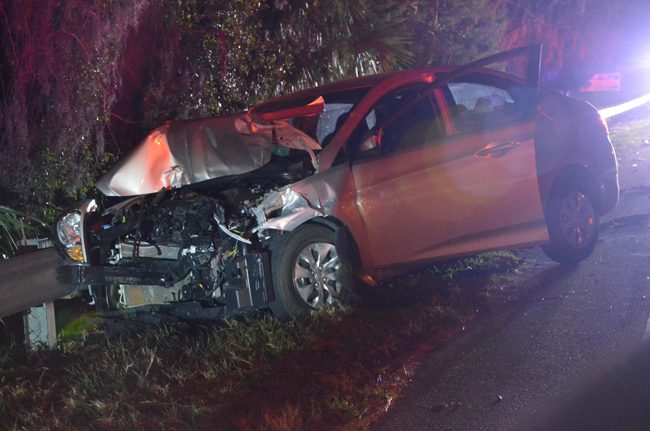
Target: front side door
{"type": "Point", "coordinates": [456, 175]}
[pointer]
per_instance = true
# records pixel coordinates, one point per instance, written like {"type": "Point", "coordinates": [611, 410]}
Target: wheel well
{"type": "Point", "coordinates": [575, 174]}
{"type": "Point", "coordinates": [343, 237]}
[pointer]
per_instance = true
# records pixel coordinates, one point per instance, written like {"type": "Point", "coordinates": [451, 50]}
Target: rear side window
{"type": "Point", "coordinates": [468, 94]}
{"type": "Point", "coordinates": [476, 106]}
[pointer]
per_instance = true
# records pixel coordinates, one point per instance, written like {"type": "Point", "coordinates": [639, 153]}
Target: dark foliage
{"type": "Point", "coordinates": [580, 37]}
{"type": "Point", "coordinates": [83, 81]}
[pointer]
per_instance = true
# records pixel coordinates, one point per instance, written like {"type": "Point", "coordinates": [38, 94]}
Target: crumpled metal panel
{"type": "Point", "coordinates": [213, 148]}
{"type": "Point", "coordinates": [282, 133]}
{"type": "Point", "coordinates": [312, 197]}
{"type": "Point", "coordinates": [188, 152]}
{"type": "Point", "coordinates": [295, 210]}
{"type": "Point", "coordinates": [142, 171]}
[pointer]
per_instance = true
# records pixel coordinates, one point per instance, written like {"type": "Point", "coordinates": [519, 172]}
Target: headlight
{"type": "Point", "coordinates": [69, 231]}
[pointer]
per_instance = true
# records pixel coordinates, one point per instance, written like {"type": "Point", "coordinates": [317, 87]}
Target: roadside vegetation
{"type": "Point", "coordinates": [631, 133]}
{"type": "Point", "coordinates": [13, 226]}
{"type": "Point", "coordinates": [9, 231]}
{"type": "Point", "coordinates": [320, 371]}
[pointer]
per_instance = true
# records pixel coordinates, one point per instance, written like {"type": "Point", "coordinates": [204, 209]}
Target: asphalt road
{"type": "Point", "coordinates": [571, 352]}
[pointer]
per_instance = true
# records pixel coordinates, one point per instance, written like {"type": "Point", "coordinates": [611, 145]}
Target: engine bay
{"type": "Point", "coordinates": [194, 243]}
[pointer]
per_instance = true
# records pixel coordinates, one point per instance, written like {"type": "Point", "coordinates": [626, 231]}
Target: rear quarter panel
{"type": "Point", "coordinates": [569, 134]}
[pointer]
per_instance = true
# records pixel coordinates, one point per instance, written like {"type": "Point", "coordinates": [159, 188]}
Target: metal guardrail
{"type": "Point", "coordinates": [28, 284]}
{"type": "Point", "coordinates": [29, 280]}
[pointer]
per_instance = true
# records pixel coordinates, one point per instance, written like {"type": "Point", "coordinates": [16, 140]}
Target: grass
{"type": "Point", "coordinates": [631, 129]}
{"type": "Point", "coordinates": [630, 134]}
{"type": "Point", "coordinates": [322, 371]}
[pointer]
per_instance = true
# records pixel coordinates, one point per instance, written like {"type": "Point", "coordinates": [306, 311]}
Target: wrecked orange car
{"type": "Point", "coordinates": [285, 205]}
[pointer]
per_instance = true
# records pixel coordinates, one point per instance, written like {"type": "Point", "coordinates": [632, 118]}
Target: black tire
{"type": "Point", "coordinates": [318, 282]}
{"type": "Point", "coordinates": [573, 222]}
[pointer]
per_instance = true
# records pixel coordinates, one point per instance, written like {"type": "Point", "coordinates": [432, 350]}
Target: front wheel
{"type": "Point", "coordinates": [572, 220]}
{"type": "Point", "coordinates": [309, 272]}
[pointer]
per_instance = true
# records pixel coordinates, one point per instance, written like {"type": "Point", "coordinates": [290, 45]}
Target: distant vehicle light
{"type": "Point", "coordinates": [603, 82]}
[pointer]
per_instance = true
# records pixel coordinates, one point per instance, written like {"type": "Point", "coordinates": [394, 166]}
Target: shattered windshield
{"type": "Point", "coordinates": [320, 127]}
{"type": "Point", "coordinates": [327, 122]}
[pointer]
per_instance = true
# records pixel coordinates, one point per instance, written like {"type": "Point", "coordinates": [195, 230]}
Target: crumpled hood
{"type": "Point", "coordinates": [186, 152]}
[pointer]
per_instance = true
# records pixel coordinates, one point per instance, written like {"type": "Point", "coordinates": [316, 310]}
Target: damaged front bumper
{"type": "Point", "coordinates": [250, 287]}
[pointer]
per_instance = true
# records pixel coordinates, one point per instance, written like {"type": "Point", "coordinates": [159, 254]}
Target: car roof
{"type": "Point", "coordinates": [343, 86]}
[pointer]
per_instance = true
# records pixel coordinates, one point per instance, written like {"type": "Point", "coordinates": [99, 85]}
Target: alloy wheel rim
{"type": "Point", "coordinates": [317, 275]}
{"type": "Point", "coordinates": [577, 219]}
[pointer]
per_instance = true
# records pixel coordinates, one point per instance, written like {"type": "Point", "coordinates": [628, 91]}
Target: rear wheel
{"type": "Point", "coordinates": [309, 272]}
{"type": "Point", "coordinates": [572, 219]}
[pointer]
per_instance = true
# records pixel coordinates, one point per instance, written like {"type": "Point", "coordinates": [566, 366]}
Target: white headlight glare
{"type": "Point", "coordinates": [69, 229]}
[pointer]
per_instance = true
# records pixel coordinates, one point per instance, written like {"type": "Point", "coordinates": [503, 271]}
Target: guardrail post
{"type": "Point", "coordinates": [40, 326]}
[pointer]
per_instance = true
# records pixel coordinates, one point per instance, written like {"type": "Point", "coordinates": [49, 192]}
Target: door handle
{"type": "Point", "coordinates": [497, 150]}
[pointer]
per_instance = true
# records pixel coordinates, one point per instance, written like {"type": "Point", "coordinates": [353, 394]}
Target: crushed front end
{"type": "Point", "coordinates": [176, 220]}
{"type": "Point", "coordinates": [170, 247]}
{"type": "Point", "coordinates": [192, 214]}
